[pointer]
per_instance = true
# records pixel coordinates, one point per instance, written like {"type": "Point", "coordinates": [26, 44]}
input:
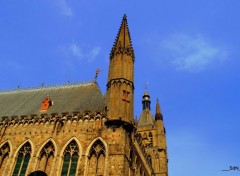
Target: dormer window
{"type": "Point", "coordinates": [46, 104]}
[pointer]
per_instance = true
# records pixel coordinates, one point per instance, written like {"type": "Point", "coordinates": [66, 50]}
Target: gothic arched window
{"type": "Point", "coordinates": [46, 158]}
{"type": "Point", "coordinates": [70, 159]}
{"type": "Point", "coordinates": [23, 158]}
{"type": "Point", "coordinates": [4, 154]}
{"type": "Point", "coordinates": [151, 139]}
{"type": "Point", "coordinates": [149, 159]}
{"type": "Point", "coordinates": [96, 159]}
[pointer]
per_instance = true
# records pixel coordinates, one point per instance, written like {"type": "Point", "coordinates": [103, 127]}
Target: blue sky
{"type": "Point", "coordinates": [187, 51]}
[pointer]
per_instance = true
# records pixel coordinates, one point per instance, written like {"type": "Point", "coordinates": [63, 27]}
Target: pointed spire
{"type": "Point", "coordinates": [123, 36]}
{"type": "Point", "coordinates": [123, 40]}
{"type": "Point", "coordinates": [158, 115]}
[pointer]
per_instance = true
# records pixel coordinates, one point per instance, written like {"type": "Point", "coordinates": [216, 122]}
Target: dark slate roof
{"type": "Point", "coordinates": [146, 118]}
{"type": "Point", "coordinates": [66, 99]}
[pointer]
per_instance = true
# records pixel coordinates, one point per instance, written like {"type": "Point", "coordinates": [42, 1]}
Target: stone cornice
{"type": "Point", "coordinates": [52, 118]}
{"type": "Point", "coordinates": [121, 81]}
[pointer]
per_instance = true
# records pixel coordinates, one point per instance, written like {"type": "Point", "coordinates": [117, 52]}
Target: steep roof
{"type": "Point", "coordinates": [66, 98]}
{"type": "Point", "coordinates": [146, 118]}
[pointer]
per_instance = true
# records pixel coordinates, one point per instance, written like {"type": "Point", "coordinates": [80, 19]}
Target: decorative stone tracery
{"type": "Point", "coordinates": [70, 159]}
{"type": "Point", "coordinates": [4, 155]}
{"type": "Point", "coordinates": [46, 158]}
{"type": "Point", "coordinates": [22, 160]}
{"type": "Point", "coordinates": [96, 163]}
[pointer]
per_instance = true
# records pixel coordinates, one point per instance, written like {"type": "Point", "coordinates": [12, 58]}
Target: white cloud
{"type": "Point", "coordinates": [75, 51]}
{"type": "Point", "coordinates": [93, 53]}
{"type": "Point", "coordinates": [192, 53]}
{"type": "Point", "coordinates": [76, 54]}
{"type": "Point", "coordinates": [64, 7]}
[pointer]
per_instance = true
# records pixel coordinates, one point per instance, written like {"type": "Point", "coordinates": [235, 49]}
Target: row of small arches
{"type": "Point", "coordinates": [70, 159]}
{"type": "Point", "coordinates": [53, 119]}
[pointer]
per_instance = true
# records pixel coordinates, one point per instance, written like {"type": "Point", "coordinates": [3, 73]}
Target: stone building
{"type": "Point", "coordinates": [74, 129]}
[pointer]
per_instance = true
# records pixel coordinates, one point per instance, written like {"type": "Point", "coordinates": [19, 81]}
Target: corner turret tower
{"type": "Point", "coordinates": [161, 168]}
{"type": "Point", "coordinates": [120, 85]}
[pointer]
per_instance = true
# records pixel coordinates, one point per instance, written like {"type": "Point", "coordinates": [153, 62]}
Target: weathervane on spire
{"type": "Point", "coordinates": [146, 85]}
{"type": "Point", "coordinates": [96, 74]}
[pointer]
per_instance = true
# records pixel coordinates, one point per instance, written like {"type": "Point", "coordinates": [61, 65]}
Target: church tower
{"type": "Point", "coordinates": [120, 85]}
{"type": "Point", "coordinates": [153, 137]}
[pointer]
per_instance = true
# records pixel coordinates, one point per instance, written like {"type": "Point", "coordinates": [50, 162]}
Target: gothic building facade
{"type": "Point", "coordinates": [74, 129]}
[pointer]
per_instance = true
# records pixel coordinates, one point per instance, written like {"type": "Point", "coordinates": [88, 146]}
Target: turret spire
{"type": "Point", "coordinates": [123, 40]}
{"type": "Point", "coordinates": [158, 115]}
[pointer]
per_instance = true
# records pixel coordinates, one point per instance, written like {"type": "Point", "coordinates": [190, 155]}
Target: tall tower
{"type": "Point", "coordinates": [119, 100]}
{"type": "Point", "coordinates": [120, 86]}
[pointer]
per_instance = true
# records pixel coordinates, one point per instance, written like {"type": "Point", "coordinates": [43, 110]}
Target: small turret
{"type": "Point", "coordinates": [161, 138]}
{"type": "Point", "coordinates": [158, 115]}
{"type": "Point", "coordinates": [146, 102]}
{"type": "Point", "coordinates": [146, 117]}
{"type": "Point", "coordinates": [161, 142]}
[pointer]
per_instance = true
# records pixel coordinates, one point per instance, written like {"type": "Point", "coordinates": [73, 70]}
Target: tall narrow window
{"type": "Point", "coordinates": [23, 158]}
{"type": "Point", "coordinates": [4, 155]}
{"type": "Point", "coordinates": [70, 159]}
{"type": "Point", "coordinates": [46, 158]}
{"type": "Point", "coordinates": [150, 139]}
{"type": "Point", "coordinates": [149, 160]}
{"type": "Point", "coordinates": [96, 159]}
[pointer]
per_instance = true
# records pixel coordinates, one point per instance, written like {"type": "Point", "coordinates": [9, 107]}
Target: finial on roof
{"type": "Point", "coordinates": [158, 115]}
{"type": "Point", "coordinates": [96, 74]}
{"type": "Point", "coordinates": [146, 85]}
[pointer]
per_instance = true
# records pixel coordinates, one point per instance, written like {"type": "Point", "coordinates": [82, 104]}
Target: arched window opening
{"type": "Point", "coordinates": [38, 173]}
{"type": "Point", "coordinates": [140, 170]}
{"type": "Point", "coordinates": [96, 158]}
{"type": "Point", "coordinates": [4, 154]}
{"type": "Point", "coordinates": [23, 158]}
{"type": "Point", "coordinates": [149, 160]}
{"type": "Point", "coordinates": [70, 159]}
{"type": "Point", "coordinates": [151, 139]}
{"type": "Point", "coordinates": [46, 158]}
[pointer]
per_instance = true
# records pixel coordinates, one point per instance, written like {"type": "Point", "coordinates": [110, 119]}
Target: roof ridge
{"type": "Point", "coordinates": [73, 84]}
{"type": "Point", "coordinates": [98, 87]}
